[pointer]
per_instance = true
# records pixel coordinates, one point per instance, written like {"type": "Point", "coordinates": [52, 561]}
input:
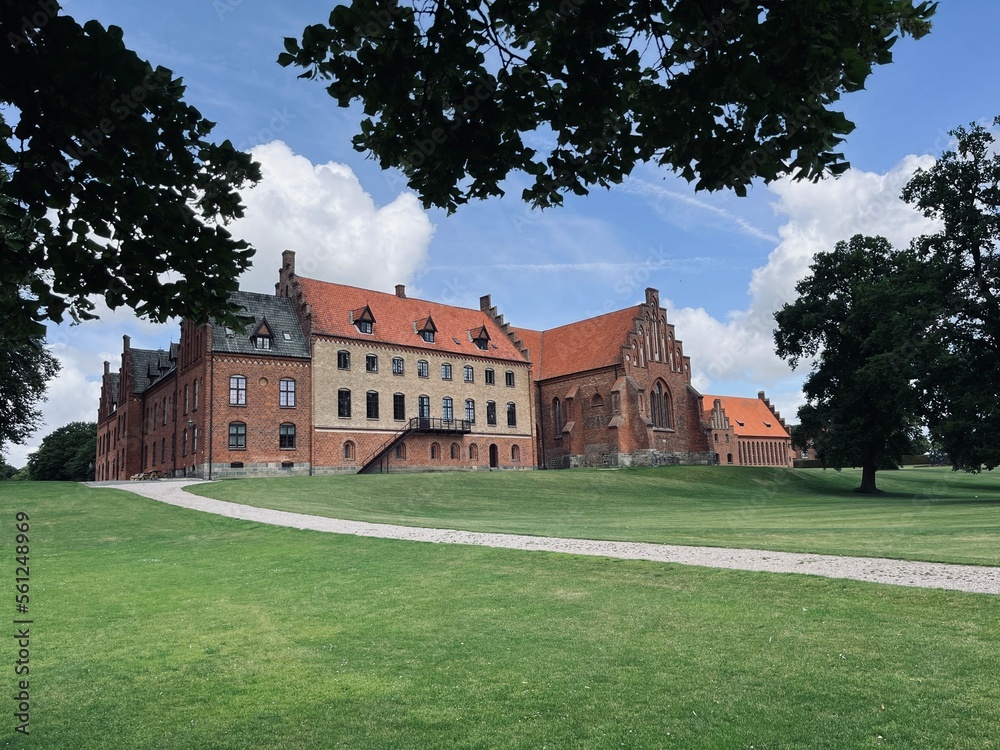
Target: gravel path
{"type": "Point", "coordinates": [971, 578]}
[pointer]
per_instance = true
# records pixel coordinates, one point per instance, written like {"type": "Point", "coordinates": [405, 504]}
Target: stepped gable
{"type": "Point", "coordinates": [256, 309]}
{"type": "Point", "coordinates": [398, 320]}
{"type": "Point", "coordinates": [749, 417]}
{"type": "Point", "coordinates": [578, 347]}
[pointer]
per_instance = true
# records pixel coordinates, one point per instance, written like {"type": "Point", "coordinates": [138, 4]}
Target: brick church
{"type": "Point", "coordinates": [325, 378]}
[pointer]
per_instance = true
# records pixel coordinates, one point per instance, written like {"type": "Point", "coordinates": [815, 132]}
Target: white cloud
{"type": "Point", "coordinates": [337, 232]}
{"type": "Point", "coordinates": [736, 355]}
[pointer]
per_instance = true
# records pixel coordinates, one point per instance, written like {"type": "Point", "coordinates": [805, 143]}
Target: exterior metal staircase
{"type": "Point", "coordinates": [378, 462]}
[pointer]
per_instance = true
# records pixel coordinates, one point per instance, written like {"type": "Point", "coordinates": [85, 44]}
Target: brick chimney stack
{"type": "Point", "coordinates": [401, 291]}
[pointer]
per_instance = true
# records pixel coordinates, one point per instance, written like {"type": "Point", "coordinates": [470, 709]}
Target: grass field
{"type": "Point", "coordinates": [158, 627]}
{"type": "Point", "coordinates": [924, 514]}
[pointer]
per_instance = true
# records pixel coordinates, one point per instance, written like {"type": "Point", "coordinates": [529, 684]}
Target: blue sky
{"type": "Point", "coordinates": [723, 264]}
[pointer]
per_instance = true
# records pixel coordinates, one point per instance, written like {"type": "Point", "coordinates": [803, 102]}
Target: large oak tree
{"type": "Point", "coordinates": [863, 319]}
{"type": "Point", "coordinates": [574, 93]}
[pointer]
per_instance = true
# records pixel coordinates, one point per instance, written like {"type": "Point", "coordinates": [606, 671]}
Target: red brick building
{"type": "Point", "coordinates": [747, 431]}
{"type": "Point", "coordinates": [327, 378]}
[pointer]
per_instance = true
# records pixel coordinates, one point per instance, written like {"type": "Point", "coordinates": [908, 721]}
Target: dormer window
{"type": "Point", "coordinates": [480, 337]}
{"type": "Point", "coordinates": [425, 329]}
{"type": "Point", "coordinates": [363, 319]}
{"type": "Point", "coordinates": [262, 335]}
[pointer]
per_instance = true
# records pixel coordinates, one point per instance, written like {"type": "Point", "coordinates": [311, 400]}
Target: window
{"type": "Point", "coordinates": [371, 404]}
{"type": "Point", "coordinates": [286, 436]}
{"type": "Point", "coordinates": [435, 451]}
{"type": "Point", "coordinates": [401, 451]}
{"type": "Point", "coordinates": [470, 411]}
{"type": "Point", "coordinates": [511, 414]}
{"type": "Point", "coordinates": [261, 342]}
{"type": "Point", "coordinates": [237, 390]}
{"type": "Point", "coordinates": [237, 436]}
{"type": "Point", "coordinates": [397, 365]}
{"type": "Point", "coordinates": [509, 376]}
{"type": "Point", "coordinates": [456, 452]}
{"type": "Point", "coordinates": [184, 444]}
{"type": "Point", "coordinates": [164, 411]}
{"type": "Point", "coordinates": [482, 341]}
{"type": "Point", "coordinates": [343, 403]}
{"type": "Point", "coordinates": [727, 437]}
{"type": "Point", "coordinates": [716, 437]}
{"type": "Point", "coordinates": [196, 395]}
{"type": "Point", "coordinates": [515, 453]}
{"type": "Point", "coordinates": [343, 360]}
{"type": "Point", "coordinates": [194, 441]}
{"type": "Point", "coordinates": [154, 452]}
{"type": "Point", "coordinates": [398, 406]}
{"type": "Point", "coordinates": [364, 326]}
{"type": "Point", "coordinates": [557, 416]}
{"type": "Point", "coordinates": [659, 406]}
{"type": "Point", "coordinates": [286, 335]}
{"type": "Point", "coordinates": [156, 414]}
{"type": "Point", "coordinates": [729, 458]}
{"type": "Point", "coordinates": [597, 400]}
{"type": "Point", "coordinates": [445, 371]}
{"type": "Point", "coordinates": [424, 407]}
{"type": "Point", "coordinates": [427, 336]}
{"type": "Point", "coordinates": [349, 451]}
{"type": "Point", "coordinates": [490, 376]}
{"type": "Point", "coordinates": [468, 374]}
{"type": "Point", "coordinates": [423, 371]}
{"type": "Point", "coordinates": [473, 452]}
{"type": "Point", "coordinates": [447, 410]}
{"type": "Point", "coordinates": [371, 363]}
{"type": "Point", "coordinates": [491, 412]}
{"type": "Point", "coordinates": [186, 401]}
{"type": "Point", "coordinates": [286, 393]}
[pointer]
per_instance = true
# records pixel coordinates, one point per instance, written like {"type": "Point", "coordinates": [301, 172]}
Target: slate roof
{"type": "Point", "coordinates": [749, 417]}
{"type": "Point", "coordinates": [398, 320]}
{"type": "Point", "coordinates": [585, 345]}
{"type": "Point", "coordinates": [149, 365]}
{"type": "Point", "coordinates": [281, 319]}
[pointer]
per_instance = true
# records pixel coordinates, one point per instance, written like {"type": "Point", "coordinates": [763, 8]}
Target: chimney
{"type": "Point", "coordinates": [107, 367]}
{"type": "Point", "coordinates": [127, 342]}
{"type": "Point", "coordinates": [288, 261]}
{"type": "Point", "coordinates": [401, 291]}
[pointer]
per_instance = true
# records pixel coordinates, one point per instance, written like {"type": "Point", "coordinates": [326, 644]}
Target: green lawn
{"type": "Point", "coordinates": [924, 514]}
{"type": "Point", "coordinates": [158, 627]}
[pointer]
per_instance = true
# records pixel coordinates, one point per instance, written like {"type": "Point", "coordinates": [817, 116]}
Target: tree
{"type": "Point", "coordinates": [6, 470]}
{"type": "Point", "coordinates": [720, 90]}
{"type": "Point", "coordinates": [962, 192]}
{"type": "Point", "coordinates": [863, 316]}
{"type": "Point", "coordinates": [66, 454]}
{"type": "Point", "coordinates": [25, 369]}
{"type": "Point", "coordinates": [114, 188]}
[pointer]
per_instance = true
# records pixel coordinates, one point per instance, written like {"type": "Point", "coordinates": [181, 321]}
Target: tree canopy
{"type": "Point", "coordinates": [113, 187]}
{"type": "Point", "coordinates": [575, 93]}
{"type": "Point", "coordinates": [862, 316]}
{"type": "Point", "coordinates": [962, 192]}
{"type": "Point", "coordinates": [66, 454]}
{"type": "Point", "coordinates": [25, 369]}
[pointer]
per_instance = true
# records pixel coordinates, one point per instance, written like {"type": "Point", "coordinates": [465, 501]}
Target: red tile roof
{"type": "Point", "coordinates": [749, 417]}
{"type": "Point", "coordinates": [397, 320]}
{"type": "Point", "coordinates": [585, 345]}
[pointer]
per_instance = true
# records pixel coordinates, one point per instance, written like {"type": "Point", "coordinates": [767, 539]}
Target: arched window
{"type": "Point", "coordinates": [435, 451]}
{"type": "Point", "coordinates": [401, 451]}
{"type": "Point", "coordinates": [237, 436]}
{"type": "Point", "coordinates": [184, 444]}
{"type": "Point", "coordinates": [343, 403]}
{"type": "Point", "coordinates": [470, 411]}
{"type": "Point", "coordinates": [447, 409]}
{"type": "Point", "coordinates": [659, 405]}
{"type": "Point", "coordinates": [491, 412]}
{"type": "Point", "coordinates": [186, 400]}
{"type": "Point", "coordinates": [343, 360]}
{"type": "Point", "coordinates": [511, 414]}
{"type": "Point", "coordinates": [557, 420]}
{"type": "Point", "coordinates": [515, 454]}
{"type": "Point", "coordinates": [456, 452]}
{"type": "Point", "coordinates": [597, 400]}
{"type": "Point", "coordinates": [729, 458]}
{"type": "Point", "coordinates": [473, 452]}
{"type": "Point", "coordinates": [196, 395]}
{"type": "Point", "coordinates": [349, 451]}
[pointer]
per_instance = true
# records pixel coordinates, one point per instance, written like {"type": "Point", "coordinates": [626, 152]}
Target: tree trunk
{"type": "Point", "coordinates": [868, 478]}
